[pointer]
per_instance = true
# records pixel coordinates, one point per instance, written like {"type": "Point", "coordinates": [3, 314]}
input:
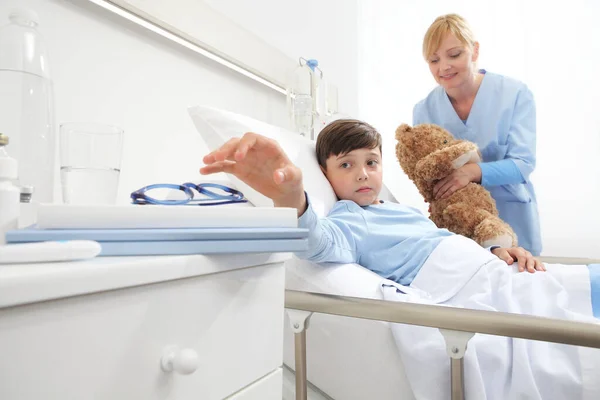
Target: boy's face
{"type": "Point", "coordinates": [356, 176]}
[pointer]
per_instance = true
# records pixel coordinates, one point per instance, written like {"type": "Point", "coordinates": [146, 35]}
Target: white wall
{"type": "Point", "coordinates": [324, 30]}
{"type": "Point", "coordinates": [555, 52]}
{"type": "Point", "coordinates": [107, 71]}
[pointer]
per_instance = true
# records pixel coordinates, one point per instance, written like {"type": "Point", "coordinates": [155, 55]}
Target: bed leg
{"type": "Point", "coordinates": [300, 360]}
{"type": "Point", "coordinates": [456, 346]}
{"type": "Point", "coordinates": [299, 321]}
{"type": "Point", "coordinates": [457, 383]}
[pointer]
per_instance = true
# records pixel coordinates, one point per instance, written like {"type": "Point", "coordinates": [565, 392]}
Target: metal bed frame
{"type": "Point", "coordinates": [457, 325]}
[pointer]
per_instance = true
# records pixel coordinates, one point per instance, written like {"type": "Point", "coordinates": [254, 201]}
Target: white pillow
{"type": "Point", "coordinates": [218, 126]}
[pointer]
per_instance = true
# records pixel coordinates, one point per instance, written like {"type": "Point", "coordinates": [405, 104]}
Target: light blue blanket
{"type": "Point", "coordinates": [595, 288]}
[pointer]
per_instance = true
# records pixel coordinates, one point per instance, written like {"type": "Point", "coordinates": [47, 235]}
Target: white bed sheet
{"type": "Point", "coordinates": [347, 358]}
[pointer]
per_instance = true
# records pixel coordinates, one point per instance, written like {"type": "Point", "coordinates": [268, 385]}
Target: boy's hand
{"type": "Point", "coordinates": [524, 258]}
{"type": "Point", "coordinates": [262, 164]}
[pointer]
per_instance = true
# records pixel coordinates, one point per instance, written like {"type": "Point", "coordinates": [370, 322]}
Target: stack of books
{"type": "Point", "coordinates": [130, 230]}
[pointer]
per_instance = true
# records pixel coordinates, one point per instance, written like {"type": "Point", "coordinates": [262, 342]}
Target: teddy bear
{"type": "Point", "coordinates": [428, 153]}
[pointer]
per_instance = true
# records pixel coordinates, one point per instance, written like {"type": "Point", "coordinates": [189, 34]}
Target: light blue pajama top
{"type": "Point", "coordinates": [390, 239]}
{"type": "Point", "coordinates": [502, 123]}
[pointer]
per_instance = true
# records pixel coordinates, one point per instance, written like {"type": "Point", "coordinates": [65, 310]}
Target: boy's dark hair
{"type": "Point", "coordinates": [343, 136]}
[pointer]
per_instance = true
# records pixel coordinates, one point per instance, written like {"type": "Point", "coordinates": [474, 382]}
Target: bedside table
{"type": "Point", "coordinates": [168, 327]}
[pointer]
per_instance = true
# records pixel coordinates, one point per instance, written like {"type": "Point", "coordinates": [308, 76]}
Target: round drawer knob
{"type": "Point", "coordinates": [183, 361]}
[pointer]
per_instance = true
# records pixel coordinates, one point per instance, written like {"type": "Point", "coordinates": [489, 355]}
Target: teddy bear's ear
{"type": "Point", "coordinates": [402, 129]}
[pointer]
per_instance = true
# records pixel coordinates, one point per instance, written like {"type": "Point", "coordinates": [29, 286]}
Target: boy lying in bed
{"type": "Point", "coordinates": [429, 265]}
{"type": "Point", "coordinates": [388, 238]}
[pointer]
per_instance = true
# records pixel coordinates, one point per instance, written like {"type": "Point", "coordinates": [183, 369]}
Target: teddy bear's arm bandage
{"type": "Point", "coordinates": [467, 158]}
{"type": "Point", "coordinates": [441, 163]}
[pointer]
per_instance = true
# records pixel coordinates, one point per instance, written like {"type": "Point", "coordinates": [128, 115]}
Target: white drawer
{"type": "Point", "coordinates": [109, 345]}
{"type": "Point", "coordinates": [268, 388]}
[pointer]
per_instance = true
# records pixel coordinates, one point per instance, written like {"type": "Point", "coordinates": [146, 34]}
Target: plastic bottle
{"type": "Point", "coordinates": [9, 192]}
{"type": "Point", "coordinates": [26, 103]}
{"type": "Point", "coordinates": [320, 89]}
{"type": "Point", "coordinates": [302, 92]}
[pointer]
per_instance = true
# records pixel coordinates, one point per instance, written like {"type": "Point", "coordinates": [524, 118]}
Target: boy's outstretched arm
{"type": "Point", "coordinates": [263, 165]}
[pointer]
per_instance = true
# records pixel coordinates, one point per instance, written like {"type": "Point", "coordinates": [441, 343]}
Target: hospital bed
{"type": "Point", "coordinates": [352, 355]}
{"type": "Point", "coordinates": [357, 358]}
{"type": "Point", "coordinates": [346, 357]}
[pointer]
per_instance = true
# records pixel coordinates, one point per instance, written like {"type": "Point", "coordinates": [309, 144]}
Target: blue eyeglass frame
{"type": "Point", "coordinates": [234, 196]}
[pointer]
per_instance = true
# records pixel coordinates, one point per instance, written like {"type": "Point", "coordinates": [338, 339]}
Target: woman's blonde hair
{"type": "Point", "coordinates": [449, 23]}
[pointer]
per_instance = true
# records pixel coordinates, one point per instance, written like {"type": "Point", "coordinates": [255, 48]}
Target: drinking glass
{"type": "Point", "coordinates": [90, 162]}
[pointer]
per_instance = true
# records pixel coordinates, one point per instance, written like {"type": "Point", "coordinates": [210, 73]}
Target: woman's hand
{"type": "Point", "coordinates": [458, 179]}
{"type": "Point", "coordinates": [525, 260]}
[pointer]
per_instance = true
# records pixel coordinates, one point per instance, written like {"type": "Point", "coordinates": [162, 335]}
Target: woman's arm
{"type": "Point", "coordinates": [519, 160]}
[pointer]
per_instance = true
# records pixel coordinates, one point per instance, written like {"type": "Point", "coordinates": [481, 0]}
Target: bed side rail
{"type": "Point", "coordinates": [569, 260]}
{"type": "Point", "coordinates": [448, 319]}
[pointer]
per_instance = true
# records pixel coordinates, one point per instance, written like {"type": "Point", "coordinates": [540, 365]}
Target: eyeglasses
{"type": "Point", "coordinates": [211, 198]}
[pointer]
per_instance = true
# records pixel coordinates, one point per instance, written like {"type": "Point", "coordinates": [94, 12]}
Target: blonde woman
{"type": "Point", "coordinates": [495, 112]}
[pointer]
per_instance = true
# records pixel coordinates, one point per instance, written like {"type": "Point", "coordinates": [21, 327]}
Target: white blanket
{"type": "Point", "coordinates": [460, 274]}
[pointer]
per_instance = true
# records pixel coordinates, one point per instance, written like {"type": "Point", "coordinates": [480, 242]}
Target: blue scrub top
{"type": "Point", "coordinates": [502, 123]}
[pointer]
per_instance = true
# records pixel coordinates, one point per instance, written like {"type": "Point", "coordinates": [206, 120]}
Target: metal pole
{"type": "Point", "coordinates": [300, 361]}
{"type": "Point", "coordinates": [569, 260]}
{"type": "Point", "coordinates": [450, 318]}
{"type": "Point", "coordinates": [313, 95]}
{"type": "Point", "coordinates": [457, 378]}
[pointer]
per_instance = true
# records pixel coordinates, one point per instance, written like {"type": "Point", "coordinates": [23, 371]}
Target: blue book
{"type": "Point", "coordinates": [33, 234]}
{"type": "Point", "coordinates": [144, 242]}
{"type": "Point", "coordinates": [150, 248]}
